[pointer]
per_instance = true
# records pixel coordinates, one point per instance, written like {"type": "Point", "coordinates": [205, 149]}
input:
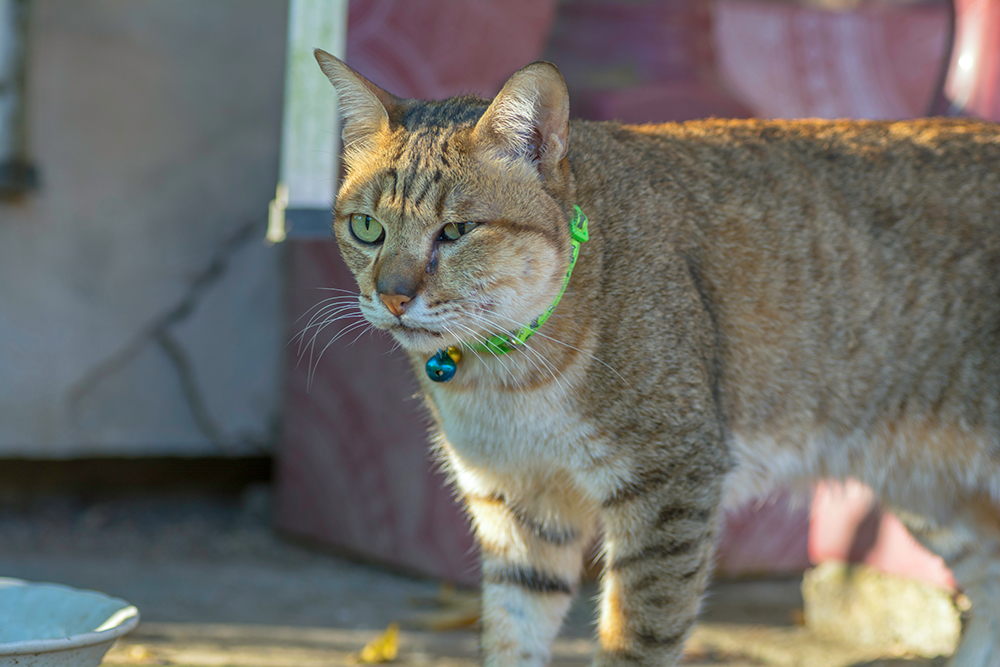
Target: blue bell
{"type": "Point", "coordinates": [441, 367]}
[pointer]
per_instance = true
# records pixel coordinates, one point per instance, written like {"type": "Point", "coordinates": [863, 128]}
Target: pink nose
{"type": "Point", "coordinates": [396, 303]}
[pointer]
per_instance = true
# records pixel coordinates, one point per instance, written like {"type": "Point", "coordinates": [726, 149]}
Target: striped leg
{"type": "Point", "coordinates": [659, 536]}
{"type": "Point", "coordinates": [531, 567]}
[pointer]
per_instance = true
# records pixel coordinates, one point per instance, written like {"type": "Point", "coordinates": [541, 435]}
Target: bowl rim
{"type": "Point", "coordinates": [125, 620]}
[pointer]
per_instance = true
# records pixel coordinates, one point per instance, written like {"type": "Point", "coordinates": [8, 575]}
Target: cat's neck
{"type": "Point", "coordinates": [556, 350]}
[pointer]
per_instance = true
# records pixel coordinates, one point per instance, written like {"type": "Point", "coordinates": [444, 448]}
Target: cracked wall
{"type": "Point", "coordinates": [140, 311]}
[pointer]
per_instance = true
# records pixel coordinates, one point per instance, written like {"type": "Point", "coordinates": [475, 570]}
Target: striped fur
{"type": "Point", "coordinates": [760, 302]}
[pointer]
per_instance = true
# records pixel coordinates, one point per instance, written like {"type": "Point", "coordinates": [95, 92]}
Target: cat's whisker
{"type": "Point", "coordinates": [329, 312]}
{"type": "Point", "coordinates": [322, 313]}
{"type": "Point", "coordinates": [335, 297]}
{"type": "Point", "coordinates": [322, 302]}
{"type": "Point", "coordinates": [334, 318]}
{"type": "Point", "coordinates": [527, 348]}
{"type": "Point", "coordinates": [340, 334]}
{"type": "Point", "coordinates": [536, 359]}
{"type": "Point", "coordinates": [541, 359]}
{"type": "Point", "coordinates": [448, 330]}
{"type": "Point", "coordinates": [311, 347]}
{"type": "Point", "coordinates": [544, 336]}
{"type": "Point", "coordinates": [371, 331]}
{"type": "Point", "coordinates": [319, 328]}
{"type": "Point", "coordinates": [477, 338]}
{"type": "Point", "coordinates": [490, 326]}
{"type": "Point", "coordinates": [329, 318]}
{"type": "Point", "coordinates": [325, 314]}
{"type": "Point", "coordinates": [480, 338]}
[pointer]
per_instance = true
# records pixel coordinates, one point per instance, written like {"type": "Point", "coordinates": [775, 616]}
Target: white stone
{"type": "Point", "coordinates": [860, 605]}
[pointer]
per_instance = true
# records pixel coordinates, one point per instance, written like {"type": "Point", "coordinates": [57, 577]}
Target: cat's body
{"type": "Point", "coordinates": [758, 303]}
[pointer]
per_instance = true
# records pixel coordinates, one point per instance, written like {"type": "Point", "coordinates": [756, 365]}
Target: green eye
{"type": "Point", "coordinates": [367, 229]}
{"type": "Point", "coordinates": [453, 230]}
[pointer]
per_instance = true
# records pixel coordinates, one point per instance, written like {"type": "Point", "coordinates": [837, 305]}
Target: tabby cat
{"type": "Point", "coordinates": [754, 302]}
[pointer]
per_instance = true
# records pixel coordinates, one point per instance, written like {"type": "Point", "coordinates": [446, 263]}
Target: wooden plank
{"type": "Point", "coordinates": [310, 132]}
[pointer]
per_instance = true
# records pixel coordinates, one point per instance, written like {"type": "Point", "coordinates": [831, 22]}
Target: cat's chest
{"type": "Point", "coordinates": [509, 430]}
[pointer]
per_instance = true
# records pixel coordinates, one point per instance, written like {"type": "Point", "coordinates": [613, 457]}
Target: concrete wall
{"type": "Point", "coordinates": [140, 310]}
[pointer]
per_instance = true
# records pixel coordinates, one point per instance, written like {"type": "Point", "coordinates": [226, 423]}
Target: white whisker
{"type": "Point", "coordinates": [340, 297]}
{"type": "Point", "coordinates": [314, 367]}
{"type": "Point", "coordinates": [324, 318]}
{"type": "Point", "coordinates": [518, 325]}
{"type": "Point", "coordinates": [320, 326]}
{"type": "Point", "coordinates": [534, 357]}
{"type": "Point", "coordinates": [325, 310]}
{"type": "Point", "coordinates": [370, 330]}
{"type": "Point", "coordinates": [478, 338]}
{"type": "Point", "coordinates": [484, 340]}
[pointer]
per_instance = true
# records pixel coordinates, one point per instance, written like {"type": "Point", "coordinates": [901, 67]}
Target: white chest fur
{"type": "Point", "coordinates": [509, 431]}
{"type": "Point", "coordinates": [525, 441]}
{"type": "Point", "coordinates": [519, 430]}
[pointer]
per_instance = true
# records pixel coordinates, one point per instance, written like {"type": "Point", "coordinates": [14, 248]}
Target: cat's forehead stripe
{"type": "Point", "coordinates": [416, 176]}
{"type": "Point", "coordinates": [401, 190]}
{"type": "Point", "coordinates": [420, 155]}
{"type": "Point", "coordinates": [419, 147]}
{"type": "Point", "coordinates": [459, 111]}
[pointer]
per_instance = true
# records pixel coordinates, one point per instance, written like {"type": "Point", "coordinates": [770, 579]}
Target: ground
{"type": "Point", "coordinates": [216, 587]}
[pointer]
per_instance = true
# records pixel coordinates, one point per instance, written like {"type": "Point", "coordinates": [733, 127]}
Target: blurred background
{"type": "Point", "coordinates": [153, 408]}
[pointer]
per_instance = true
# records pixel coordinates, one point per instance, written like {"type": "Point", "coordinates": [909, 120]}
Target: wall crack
{"type": "Point", "coordinates": [189, 387]}
{"type": "Point", "coordinates": [157, 332]}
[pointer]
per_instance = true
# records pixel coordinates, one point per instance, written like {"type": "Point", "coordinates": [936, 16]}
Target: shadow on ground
{"type": "Point", "coordinates": [215, 586]}
{"type": "Point", "coordinates": [904, 662]}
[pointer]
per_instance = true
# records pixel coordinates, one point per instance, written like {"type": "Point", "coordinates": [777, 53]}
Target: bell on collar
{"type": "Point", "coordinates": [442, 366]}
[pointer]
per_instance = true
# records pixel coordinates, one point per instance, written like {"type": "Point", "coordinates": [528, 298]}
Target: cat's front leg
{"type": "Point", "coordinates": [659, 531]}
{"type": "Point", "coordinates": [532, 555]}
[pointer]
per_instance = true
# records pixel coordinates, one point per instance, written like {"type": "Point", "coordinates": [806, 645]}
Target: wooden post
{"type": "Point", "coordinates": [310, 131]}
{"type": "Point", "coordinates": [17, 176]}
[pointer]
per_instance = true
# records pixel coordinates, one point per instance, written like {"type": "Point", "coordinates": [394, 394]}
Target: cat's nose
{"type": "Point", "coordinates": [396, 303]}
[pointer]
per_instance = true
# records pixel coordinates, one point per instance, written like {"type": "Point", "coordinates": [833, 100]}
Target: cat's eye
{"type": "Point", "coordinates": [453, 230]}
{"type": "Point", "coordinates": [367, 229]}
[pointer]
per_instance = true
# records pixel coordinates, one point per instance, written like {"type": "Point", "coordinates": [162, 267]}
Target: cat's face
{"type": "Point", "coordinates": [451, 235]}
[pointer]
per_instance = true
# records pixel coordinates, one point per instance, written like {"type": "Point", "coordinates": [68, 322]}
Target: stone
{"type": "Point", "coordinates": [859, 604]}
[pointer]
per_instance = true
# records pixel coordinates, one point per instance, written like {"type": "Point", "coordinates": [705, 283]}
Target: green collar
{"type": "Point", "coordinates": [442, 366]}
{"type": "Point", "coordinates": [503, 344]}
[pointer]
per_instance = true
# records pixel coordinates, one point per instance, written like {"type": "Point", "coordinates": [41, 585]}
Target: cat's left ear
{"type": "Point", "coordinates": [529, 119]}
{"type": "Point", "coordinates": [364, 106]}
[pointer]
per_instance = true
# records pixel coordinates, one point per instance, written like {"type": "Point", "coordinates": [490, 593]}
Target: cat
{"type": "Point", "coordinates": [737, 304]}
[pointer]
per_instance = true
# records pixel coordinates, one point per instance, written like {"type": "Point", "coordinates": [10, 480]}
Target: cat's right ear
{"type": "Point", "coordinates": [364, 107]}
{"type": "Point", "coordinates": [529, 118]}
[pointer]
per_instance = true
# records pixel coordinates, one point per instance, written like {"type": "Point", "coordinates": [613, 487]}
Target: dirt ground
{"type": "Point", "coordinates": [216, 587]}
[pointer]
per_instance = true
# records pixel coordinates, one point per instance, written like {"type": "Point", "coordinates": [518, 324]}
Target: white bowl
{"type": "Point", "coordinates": [48, 625]}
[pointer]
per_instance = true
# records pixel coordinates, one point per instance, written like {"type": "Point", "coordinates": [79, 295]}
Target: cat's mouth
{"type": "Point", "coordinates": [403, 328]}
{"type": "Point", "coordinates": [417, 339]}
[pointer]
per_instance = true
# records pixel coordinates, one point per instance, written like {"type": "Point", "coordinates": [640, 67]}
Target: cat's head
{"type": "Point", "coordinates": [453, 214]}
